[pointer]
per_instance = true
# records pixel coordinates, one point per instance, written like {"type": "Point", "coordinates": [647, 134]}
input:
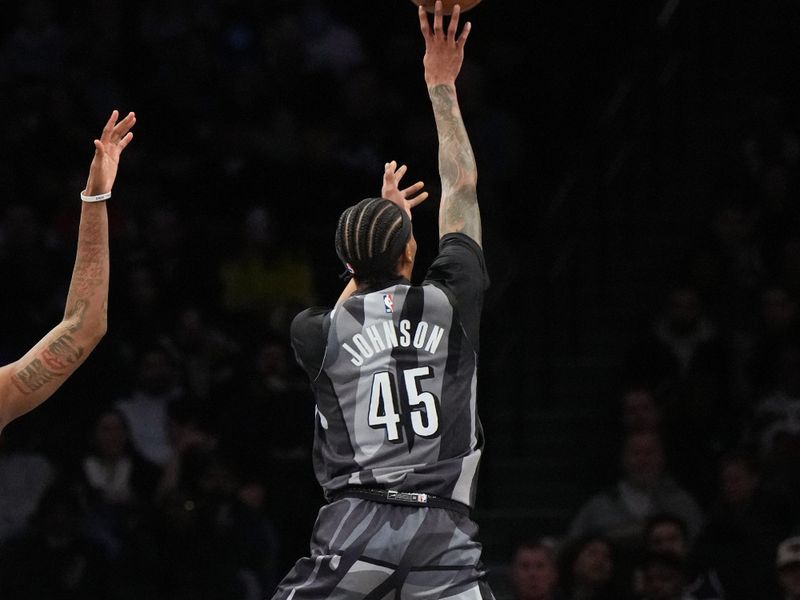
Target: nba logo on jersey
{"type": "Point", "coordinates": [388, 303]}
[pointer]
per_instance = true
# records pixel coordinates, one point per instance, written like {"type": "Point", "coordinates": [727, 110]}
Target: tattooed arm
{"type": "Point", "coordinates": [32, 379]}
{"type": "Point", "coordinates": [444, 55]}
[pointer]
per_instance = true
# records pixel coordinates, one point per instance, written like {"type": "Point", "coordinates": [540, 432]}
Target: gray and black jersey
{"type": "Point", "coordinates": [394, 373]}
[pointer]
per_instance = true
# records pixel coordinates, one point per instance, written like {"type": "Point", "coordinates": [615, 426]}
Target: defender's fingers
{"type": "Point", "coordinates": [123, 143]}
{"type": "Point", "coordinates": [109, 126]}
{"type": "Point", "coordinates": [124, 126]}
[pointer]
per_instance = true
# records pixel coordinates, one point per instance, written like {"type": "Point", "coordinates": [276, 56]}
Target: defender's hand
{"type": "Point", "coordinates": [113, 140]}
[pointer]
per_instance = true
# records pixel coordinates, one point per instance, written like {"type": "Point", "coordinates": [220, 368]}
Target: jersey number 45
{"type": "Point", "coordinates": [385, 401]}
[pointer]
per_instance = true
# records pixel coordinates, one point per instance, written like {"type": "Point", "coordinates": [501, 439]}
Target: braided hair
{"type": "Point", "coordinates": [371, 236]}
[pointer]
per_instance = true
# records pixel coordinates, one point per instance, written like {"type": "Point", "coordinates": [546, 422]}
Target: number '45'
{"type": "Point", "coordinates": [384, 404]}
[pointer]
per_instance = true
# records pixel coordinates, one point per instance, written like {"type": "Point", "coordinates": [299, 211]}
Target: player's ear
{"type": "Point", "coordinates": [411, 248]}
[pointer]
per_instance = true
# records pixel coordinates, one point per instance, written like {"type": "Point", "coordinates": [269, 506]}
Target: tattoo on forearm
{"type": "Point", "coordinates": [59, 358]}
{"type": "Point", "coordinates": [76, 311]}
{"type": "Point", "coordinates": [89, 269]}
{"type": "Point", "coordinates": [63, 353]}
{"type": "Point", "coordinates": [459, 211]}
{"type": "Point", "coordinates": [91, 266]}
{"type": "Point", "coordinates": [32, 377]}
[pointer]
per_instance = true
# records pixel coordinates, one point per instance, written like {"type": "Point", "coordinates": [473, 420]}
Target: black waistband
{"type": "Point", "coordinates": [400, 498]}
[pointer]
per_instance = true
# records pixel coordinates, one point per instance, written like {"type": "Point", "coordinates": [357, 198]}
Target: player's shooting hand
{"type": "Point", "coordinates": [444, 49]}
{"type": "Point", "coordinates": [107, 150]}
{"type": "Point", "coordinates": [406, 198]}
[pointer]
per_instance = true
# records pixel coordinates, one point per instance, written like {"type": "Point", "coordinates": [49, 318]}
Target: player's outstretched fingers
{"type": "Point", "coordinates": [418, 199]}
{"type": "Point", "coordinates": [424, 25]}
{"type": "Point", "coordinates": [438, 18]}
{"type": "Point", "coordinates": [453, 27]}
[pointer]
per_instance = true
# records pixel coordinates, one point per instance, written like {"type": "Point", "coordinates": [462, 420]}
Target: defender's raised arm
{"type": "Point", "coordinates": [33, 378]}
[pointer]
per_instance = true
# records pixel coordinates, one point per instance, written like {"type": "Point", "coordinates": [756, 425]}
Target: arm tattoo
{"type": "Point", "coordinates": [76, 310]}
{"type": "Point", "coordinates": [91, 268]}
{"type": "Point", "coordinates": [59, 358]}
{"type": "Point", "coordinates": [459, 210]}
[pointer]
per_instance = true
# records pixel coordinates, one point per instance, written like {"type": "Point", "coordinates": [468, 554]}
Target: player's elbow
{"type": "Point", "coordinates": [89, 330]}
{"type": "Point", "coordinates": [97, 330]}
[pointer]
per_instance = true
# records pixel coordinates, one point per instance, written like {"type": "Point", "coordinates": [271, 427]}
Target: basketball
{"type": "Point", "coordinates": [447, 5]}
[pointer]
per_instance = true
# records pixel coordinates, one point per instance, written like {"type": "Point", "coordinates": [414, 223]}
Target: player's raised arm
{"type": "Point", "coordinates": [33, 378]}
{"type": "Point", "coordinates": [444, 55]}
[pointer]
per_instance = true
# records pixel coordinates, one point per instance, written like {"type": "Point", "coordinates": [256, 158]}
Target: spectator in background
{"type": "Point", "coordinates": [644, 487]}
{"type": "Point", "coordinates": [139, 307]}
{"type": "Point", "coordinates": [113, 471]}
{"type": "Point", "coordinates": [272, 386]}
{"type": "Point", "coordinates": [777, 324]}
{"type": "Point", "coordinates": [729, 266]}
{"type": "Point", "coordinates": [636, 409]}
{"type": "Point", "coordinates": [769, 153]}
{"type": "Point", "coordinates": [667, 533]}
{"type": "Point", "coordinates": [179, 267]}
{"type": "Point", "coordinates": [188, 430]}
{"type": "Point", "coordinates": [534, 571]}
{"type": "Point", "coordinates": [118, 482]}
{"type": "Point", "coordinates": [663, 577]}
{"type": "Point", "coordinates": [787, 565]}
{"type": "Point", "coordinates": [25, 475]}
{"type": "Point", "coordinates": [776, 424]}
{"type": "Point", "coordinates": [158, 384]}
{"type": "Point", "coordinates": [745, 523]}
{"type": "Point", "coordinates": [207, 354]}
{"type": "Point", "coordinates": [263, 280]}
{"type": "Point", "coordinates": [689, 360]}
{"type": "Point", "coordinates": [329, 44]}
{"type": "Point", "coordinates": [681, 340]}
{"type": "Point", "coordinates": [587, 569]}
{"type": "Point", "coordinates": [265, 447]}
{"type": "Point", "coordinates": [118, 485]}
{"type": "Point", "coordinates": [54, 558]}
{"type": "Point", "coordinates": [641, 410]}
{"type": "Point", "coordinates": [214, 541]}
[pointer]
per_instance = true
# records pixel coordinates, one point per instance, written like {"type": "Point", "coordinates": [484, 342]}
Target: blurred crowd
{"type": "Point", "coordinates": [176, 463]}
{"type": "Point", "coordinates": [703, 436]}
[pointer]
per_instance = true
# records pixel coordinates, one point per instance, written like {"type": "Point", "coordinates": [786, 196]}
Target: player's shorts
{"type": "Point", "coordinates": [365, 550]}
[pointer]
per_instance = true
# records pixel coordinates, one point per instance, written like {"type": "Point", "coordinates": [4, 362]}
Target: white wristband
{"type": "Point", "coordinates": [97, 198]}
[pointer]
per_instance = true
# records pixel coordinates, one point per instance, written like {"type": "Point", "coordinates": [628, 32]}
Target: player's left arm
{"type": "Point", "coordinates": [29, 381]}
{"type": "Point", "coordinates": [406, 198]}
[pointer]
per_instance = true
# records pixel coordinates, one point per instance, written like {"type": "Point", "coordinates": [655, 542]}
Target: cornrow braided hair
{"type": "Point", "coordinates": [371, 236]}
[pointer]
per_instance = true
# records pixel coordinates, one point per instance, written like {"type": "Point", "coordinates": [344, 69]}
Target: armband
{"type": "Point", "coordinates": [97, 198]}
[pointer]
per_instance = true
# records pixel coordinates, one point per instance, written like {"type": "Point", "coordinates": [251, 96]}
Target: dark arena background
{"type": "Point", "coordinates": [638, 181]}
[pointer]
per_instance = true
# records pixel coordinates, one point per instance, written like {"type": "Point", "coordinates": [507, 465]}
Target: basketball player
{"type": "Point", "coordinates": [393, 368]}
{"type": "Point", "coordinates": [31, 380]}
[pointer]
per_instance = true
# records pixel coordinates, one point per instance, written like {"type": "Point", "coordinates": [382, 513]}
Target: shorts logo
{"type": "Point", "coordinates": [388, 303]}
